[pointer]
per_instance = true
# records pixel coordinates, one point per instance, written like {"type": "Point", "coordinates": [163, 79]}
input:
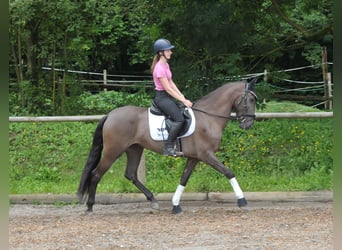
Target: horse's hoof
{"type": "Point", "coordinates": [242, 202]}
{"type": "Point", "coordinates": [90, 209]}
{"type": "Point", "coordinates": [176, 209]}
{"type": "Point", "coordinates": [155, 205]}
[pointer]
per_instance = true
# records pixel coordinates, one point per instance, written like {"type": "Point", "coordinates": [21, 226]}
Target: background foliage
{"type": "Point", "coordinates": [214, 40]}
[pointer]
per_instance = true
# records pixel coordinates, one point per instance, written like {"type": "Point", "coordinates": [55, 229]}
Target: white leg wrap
{"type": "Point", "coordinates": [236, 187]}
{"type": "Point", "coordinates": [177, 195]}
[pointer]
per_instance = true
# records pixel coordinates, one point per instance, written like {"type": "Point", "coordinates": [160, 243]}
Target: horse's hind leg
{"type": "Point", "coordinates": [134, 153]}
{"type": "Point", "coordinates": [96, 175]}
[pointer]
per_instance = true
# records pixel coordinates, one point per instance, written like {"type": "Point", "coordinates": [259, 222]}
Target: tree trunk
{"type": "Point", "coordinates": [53, 77]}
{"type": "Point", "coordinates": [17, 58]}
{"type": "Point", "coordinates": [33, 66]}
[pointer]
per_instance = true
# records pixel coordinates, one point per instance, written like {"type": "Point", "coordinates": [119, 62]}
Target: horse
{"type": "Point", "coordinates": [126, 130]}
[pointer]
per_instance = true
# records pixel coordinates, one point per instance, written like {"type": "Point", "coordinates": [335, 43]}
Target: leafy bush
{"type": "Point", "coordinates": [105, 101]}
{"type": "Point", "coordinates": [88, 103]}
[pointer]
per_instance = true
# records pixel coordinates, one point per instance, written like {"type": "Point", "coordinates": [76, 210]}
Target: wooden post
{"type": "Point", "coordinates": [325, 80]}
{"type": "Point", "coordinates": [105, 79]}
{"type": "Point", "coordinates": [330, 104]}
{"type": "Point", "coordinates": [265, 80]}
{"type": "Point", "coordinates": [265, 75]}
{"type": "Point", "coordinates": [142, 169]}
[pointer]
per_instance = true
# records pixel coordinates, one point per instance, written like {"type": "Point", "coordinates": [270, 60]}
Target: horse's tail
{"type": "Point", "coordinates": [92, 161]}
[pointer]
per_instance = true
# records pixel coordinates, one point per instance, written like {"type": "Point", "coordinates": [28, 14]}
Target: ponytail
{"type": "Point", "coordinates": [154, 62]}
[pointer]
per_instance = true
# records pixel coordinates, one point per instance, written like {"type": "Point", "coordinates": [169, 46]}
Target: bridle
{"type": "Point", "coordinates": [243, 100]}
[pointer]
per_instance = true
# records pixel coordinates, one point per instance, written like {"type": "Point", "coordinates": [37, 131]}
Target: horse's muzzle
{"type": "Point", "coordinates": [246, 123]}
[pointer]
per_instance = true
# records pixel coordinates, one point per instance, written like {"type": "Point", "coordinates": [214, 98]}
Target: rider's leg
{"type": "Point", "coordinates": [169, 144]}
{"type": "Point", "coordinates": [167, 104]}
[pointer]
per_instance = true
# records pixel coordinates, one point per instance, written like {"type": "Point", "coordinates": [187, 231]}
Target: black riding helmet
{"type": "Point", "coordinates": [161, 45]}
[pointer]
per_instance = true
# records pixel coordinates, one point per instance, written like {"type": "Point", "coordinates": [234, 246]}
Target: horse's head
{"type": "Point", "coordinates": [245, 106]}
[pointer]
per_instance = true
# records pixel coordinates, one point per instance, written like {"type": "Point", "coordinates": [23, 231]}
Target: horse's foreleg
{"type": "Point", "coordinates": [220, 167]}
{"type": "Point", "coordinates": [134, 154]}
{"type": "Point", "coordinates": [238, 192]}
{"type": "Point", "coordinates": [189, 167]}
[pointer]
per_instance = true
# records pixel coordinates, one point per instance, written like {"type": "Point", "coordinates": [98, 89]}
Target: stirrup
{"type": "Point", "coordinates": [172, 152]}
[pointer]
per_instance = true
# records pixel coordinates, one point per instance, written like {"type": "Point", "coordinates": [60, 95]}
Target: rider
{"type": "Point", "coordinates": [167, 92]}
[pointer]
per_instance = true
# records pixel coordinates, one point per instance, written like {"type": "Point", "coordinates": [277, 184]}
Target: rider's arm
{"type": "Point", "coordinates": [171, 88]}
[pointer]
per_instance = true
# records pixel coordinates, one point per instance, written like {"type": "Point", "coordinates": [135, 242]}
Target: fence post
{"type": "Point", "coordinates": [105, 79]}
{"type": "Point", "coordinates": [265, 75]}
{"type": "Point", "coordinates": [265, 80]}
{"type": "Point", "coordinates": [330, 106]}
{"type": "Point", "coordinates": [325, 77]}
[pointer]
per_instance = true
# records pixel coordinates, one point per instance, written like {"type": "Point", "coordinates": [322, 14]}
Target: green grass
{"type": "Point", "coordinates": [287, 106]}
{"type": "Point", "coordinates": [276, 155]}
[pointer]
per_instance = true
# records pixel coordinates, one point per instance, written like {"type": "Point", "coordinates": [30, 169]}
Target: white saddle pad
{"type": "Point", "coordinates": [158, 130]}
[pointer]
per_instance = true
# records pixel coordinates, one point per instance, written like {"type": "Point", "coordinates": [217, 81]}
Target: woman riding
{"type": "Point", "coordinates": [167, 93]}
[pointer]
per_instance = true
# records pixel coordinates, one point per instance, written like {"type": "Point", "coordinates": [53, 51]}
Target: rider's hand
{"type": "Point", "coordinates": [187, 103]}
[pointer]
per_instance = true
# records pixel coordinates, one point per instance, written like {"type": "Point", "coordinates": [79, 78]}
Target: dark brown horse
{"type": "Point", "coordinates": [126, 130]}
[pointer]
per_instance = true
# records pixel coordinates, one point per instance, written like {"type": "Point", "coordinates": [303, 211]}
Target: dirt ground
{"type": "Point", "coordinates": [201, 225]}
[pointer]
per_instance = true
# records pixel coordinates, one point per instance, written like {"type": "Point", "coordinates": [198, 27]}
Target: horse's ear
{"type": "Point", "coordinates": [251, 84]}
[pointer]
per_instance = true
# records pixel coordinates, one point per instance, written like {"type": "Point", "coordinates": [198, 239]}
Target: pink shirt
{"type": "Point", "coordinates": [161, 69]}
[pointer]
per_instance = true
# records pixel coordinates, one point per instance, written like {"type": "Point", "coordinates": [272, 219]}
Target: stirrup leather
{"type": "Point", "coordinates": [172, 152]}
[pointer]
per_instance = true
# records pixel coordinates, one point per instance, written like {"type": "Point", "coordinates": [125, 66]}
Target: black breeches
{"type": "Point", "coordinates": [168, 105]}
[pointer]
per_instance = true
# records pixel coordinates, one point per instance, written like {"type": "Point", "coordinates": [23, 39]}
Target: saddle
{"type": "Point", "coordinates": [154, 109]}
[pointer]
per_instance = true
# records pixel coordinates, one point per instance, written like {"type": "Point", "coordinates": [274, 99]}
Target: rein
{"type": "Point", "coordinates": [215, 115]}
{"type": "Point", "coordinates": [222, 116]}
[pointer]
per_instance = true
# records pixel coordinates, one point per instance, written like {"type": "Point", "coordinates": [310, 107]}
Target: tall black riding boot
{"type": "Point", "coordinates": [169, 144]}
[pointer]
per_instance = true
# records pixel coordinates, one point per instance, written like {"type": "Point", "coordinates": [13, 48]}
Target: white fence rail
{"type": "Point", "coordinates": [293, 115]}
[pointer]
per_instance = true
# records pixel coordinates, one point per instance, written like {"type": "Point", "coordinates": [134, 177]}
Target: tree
{"type": "Point", "coordinates": [215, 40]}
{"type": "Point", "coordinates": [63, 33]}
